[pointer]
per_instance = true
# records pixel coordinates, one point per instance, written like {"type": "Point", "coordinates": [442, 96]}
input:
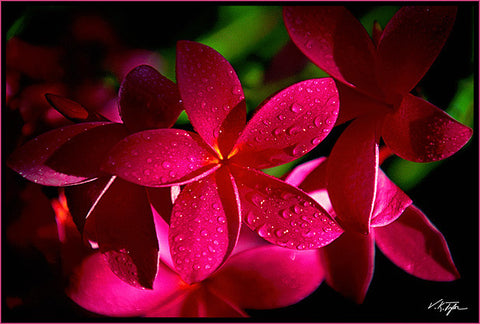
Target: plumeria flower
{"type": "Point", "coordinates": [114, 214]}
{"type": "Point", "coordinates": [401, 231]}
{"type": "Point", "coordinates": [374, 78]}
{"type": "Point", "coordinates": [219, 165]}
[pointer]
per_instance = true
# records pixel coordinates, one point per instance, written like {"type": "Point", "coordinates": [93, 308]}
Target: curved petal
{"type": "Point", "coordinates": [268, 277]}
{"type": "Point", "coordinates": [309, 176]}
{"type": "Point", "coordinates": [349, 264]}
{"type": "Point", "coordinates": [205, 226]}
{"type": "Point", "coordinates": [335, 41]}
{"type": "Point", "coordinates": [211, 93]}
{"type": "Point", "coordinates": [416, 246]}
{"type": "Point", "coordinates": [148, 100]}
{"type": "Point", "coordinates": [160, 157]}
{"type": "Point", "coordinates": [29, 160]}
{"type": "Point", "coordinates": [72, 110]}
{"type": "Point", "coordinates": [281, 213]}
{"type": "Point", "coordinates": [289, 124]}
{"type": "Point", "coordinates": [410, 43]}
{"type": "Point", "coordinates": [420, 132]}
{"type": "Point", "coordinates": [352, 174]}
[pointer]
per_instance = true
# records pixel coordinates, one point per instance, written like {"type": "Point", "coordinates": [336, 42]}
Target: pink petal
{"type": "Point", "coordinates": [414, 244]}
{"type": "Point", "coordinates": [161, 157]}
{"type": "Point", "coordinates": [205, 226]}
{"type": "Point", "coordinates": [420, 132]}
{"type": "Point", "coordinates": [72, 110]}
{"type": "Point", "coordinates": [410, 43]}
{"type": "Point", "coordinates": [212, 94]}
{"type": "Point", "coordinates": [148, 100]}
{"type": "Point", "coordinates": [335, 41]}
{"type": "Point", "coordinates": [281, 213]}
{"type": "Point", "coordinates": [30, 159]}
{"type": "Point", "coordinates": [289, 124]}
{"type": "Point", "coordinates": [268, 277]}
{"type": "Point", "coordinates": [309, 176]}
{"type": "Point", "coordinates": [349, 264]}
{"type": "Point", "coordinates": [352, 174]}
{"type": "Point", "coordinates": [390, 201]}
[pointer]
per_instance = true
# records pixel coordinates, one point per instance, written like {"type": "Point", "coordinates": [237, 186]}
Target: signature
{"type": "Point", "coordinates": [446, 306]}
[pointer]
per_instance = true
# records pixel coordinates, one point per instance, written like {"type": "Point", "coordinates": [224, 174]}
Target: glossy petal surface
{"type": "Point", "coordinates": [289, 125]}
{"type": "Point", "coordinates": [211, 93]}
{"type": "Point", "coordinates": [281, 213]}
{"type": "Point", "coordinates": [160, 157]}
{"type": "Point", "coordinates": [420, 132]}
{"type": "Point", "coordinates": [416, 246]}
{"type": "Point", "coordinates": [352, 174]}
{"type": "Point", "coordinates": [349, 264]}
{"type": "Point", "coordinates": [148, 100]}
{"type": "Point", "coordinates": [277, 278]}
{"type": "Point", "coordinates": [72, 110]}
{"type": "Point", "coordinates": [410, 43]}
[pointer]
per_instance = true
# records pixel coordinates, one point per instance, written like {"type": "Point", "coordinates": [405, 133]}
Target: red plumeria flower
{"type": "Point", "coordinates": [401, 231]}
{"type": "Point", "coordinates": [111, 212]}
{"type": "Point", "coordinates": [219, 164]}
{"type": "Point", "coordinates": [374, 80]}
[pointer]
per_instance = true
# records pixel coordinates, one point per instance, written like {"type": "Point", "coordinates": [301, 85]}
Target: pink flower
{"type": "Point", "coordinates": [401, 231]}
{"type": "Point", "coordinates": [112, 213]}
{"type": "Point", "coordinates": [218, 166]}
{"type": "Point", "coordinates": [374, 81]}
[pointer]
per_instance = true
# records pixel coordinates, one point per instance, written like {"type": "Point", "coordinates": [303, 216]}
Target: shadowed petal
{"type": "Point", "coordinates": [349, 264]}
{"type": "Point", "coordinates": [204, 226]}
{"type": "Point", "coordinates": [410, 43]}
{"type": "Point", "coordinates": [148, 100]}
{"type": "Point", "coordinates": [420, 132]}
{"type": "Point", "coordinates": [309, 176]}
{"type": "Point", "coordinates": [72, 110]}
{"type": "Point", "coordinates": [281, 213]}
{"type": "Point", "coordinates": [416, 246]}
{"type": "Point", "coordinates": [29, 160]}
{"type": "Point", "coordinates": [289, 125]}
{"type": "Point", "coordinates": [211, 93]}
{"type": "Point", "coordinates": [352, 174]}
{"type": "Point", "coordinates": [161, 157]}
{"type": "Point", "coordinates": [335, 41]}
{"type": "Point", "coordinates": [277, 278]}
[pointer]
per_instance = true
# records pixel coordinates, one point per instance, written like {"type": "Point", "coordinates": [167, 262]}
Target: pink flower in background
{"type": "Point", "coordinates": [401, 231]}
{"type": "Point", "coordinates": [374, 80]}
{"type": "Point", "coordinates": [218, 166]}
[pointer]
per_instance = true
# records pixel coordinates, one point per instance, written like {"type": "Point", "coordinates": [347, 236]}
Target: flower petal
{"type": "Point", "coordinates": [268, 277]}
{"type": "Point", "coordinates": [148, 100]}
{"type": "Point", "coordinates": [416, 246]}
{"type": "Point", "coordinates": [410, 43]}
{"type": "Point", "coordinates": [212, 95]}
{"type": "Point", "coordinates": [29, 160]}
{"type": "Point", "coordinates": [161, 157]}
{"type": "Point", "coordinates": [335, 41]}
{"type": "Point", "coordinates": [352, 174]}
{"type": "Point", "coordinates": [309, 176]}
{"type": "Point", "coordinates": [205, 226]}
{"type": "Point", "coordinates": [390, 201]}
{"type": "Point", "coordinates": [420, 132]}
{"type": "Point", "coordinates": [349, 264]}
{"type": "Point", "coordinates": [289, 124]}
{"type": "Point", "coordinates": [281, 213]}
{"type": "Point", "coordinates": [72, 110]}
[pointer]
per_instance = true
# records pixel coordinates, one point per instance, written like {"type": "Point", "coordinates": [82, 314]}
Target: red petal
{"type": "Point", "coordinates": [420, 132]}
{"type": "Point", "coordinates": [416, 246]}
{"type": "Point", "coordinates": [281, 213]}
{"type": "Point", "coordinates": [289, 124]}
{"type": "Point", "coordinates": [161, 157]}
{"type": "Point", "coordinates": [205, 226]}
{"type": "Point", "coordinates": [148, 100]}
{"type": "Point", "coordinates": [212, 94]}
{"type": "Point", "coordinates": [349, 264]}
{"type": "Point", "coordinates": [410, 43]}
{"type": "Point", "coordinates": [352, 174]}
{"type": "Point", "coordinates": [390, 201]}
{"type": "Point", "coordinates": [268, 277]}
{"type": "Point", "coordinates": [30, 159]}
{"type": "Point", "coordinates": [309, 176]}
{"type": "Point", "coordinates": [72, 110]}
{"type": "Point", "coordinates": [335, 41]}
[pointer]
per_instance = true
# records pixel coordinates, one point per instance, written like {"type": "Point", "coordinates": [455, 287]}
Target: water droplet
{"type": "Point", "coordinates": [178, 238]}
{"type": "Point", "coordinates": [318, 121]}
{"type": "Point", "coordinates": [281, 232]}
{"type": "Point", "coordinates": [149, 160]}
{"type": "Point", "coordinates": [294, 130]}
{"type": "Point", "coordinates": [251, 218]}
{"type": "Point", "coordinates": [147, 172]}
{"type": "Point", "coordinates": [211, 249]}
{"type": "Point", "coordinates": [221, 219]}
{"type": "Point", "coordinates": [166, 164]}
{"type": "Point", "coordinates": [286, 213]}
{"type": "Point", "coordinates": [296, 108]}
{"type": "Point", "coordinates": [299, 150]}
{"type": "Point", "coordinates": [281, 117]}
{"type": "Point", "coordinates": [297, 209]}
{"type": "Point", "coordinates": [316, 141]}
{"type": "Point", "coordinates": [204, 233]}
{"type": "Point", "coordinates": [263, 231]}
